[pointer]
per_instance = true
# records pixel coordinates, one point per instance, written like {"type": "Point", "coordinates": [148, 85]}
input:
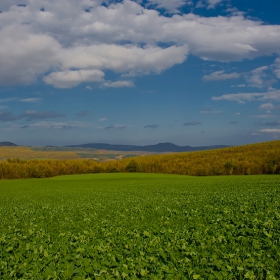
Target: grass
{"type": "Point", "coordinates": [130, 226]}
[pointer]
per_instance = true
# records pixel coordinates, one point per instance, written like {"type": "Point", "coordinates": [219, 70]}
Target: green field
{"type": "Point", "coordinates": [130, 226]}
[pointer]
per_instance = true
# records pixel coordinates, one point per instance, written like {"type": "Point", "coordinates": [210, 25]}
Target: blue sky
{"type": "Point", "coordinates": [139, 72]}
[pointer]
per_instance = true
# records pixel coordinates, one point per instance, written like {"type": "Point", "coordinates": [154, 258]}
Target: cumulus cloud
{"type": "Point", "coordinates": [213, 3]}
{"type": "Point", "coordinates": [170, 5]}
{"type": "Point", "coordinates": [118, 84]}
{"type": "Point", "coordinates": [24, 56]}
{"type": "Point", "coordinates": [259, 78]}
{"type": "Point", "coordinates": [220, 75]}
{"type": "Point", "coordinates": [68, 79]}
{"type": "Point", "coordinates": [151, 126]}
{"type": "Point", "coordinates": [192, 123]}
{"type": "Point", "coordinates": [245, 97]}
{"type": "Point", "coordinates": [124, 59]}
{"type": "Point", "coordinates": [209, 4]}
{"type": "Point", "coordinates": [266, 106]}
{"type": "Point", "coordinates": [62, 41]}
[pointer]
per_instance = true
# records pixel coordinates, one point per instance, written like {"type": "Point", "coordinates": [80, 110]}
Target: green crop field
{"type": "Point", "coordinates": [130, 226]}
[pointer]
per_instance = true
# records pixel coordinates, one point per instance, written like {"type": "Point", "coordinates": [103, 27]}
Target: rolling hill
{"type": "Point", "coordinates": [7, 144]}
{"type": "Point", "coordinates": [157, 148]}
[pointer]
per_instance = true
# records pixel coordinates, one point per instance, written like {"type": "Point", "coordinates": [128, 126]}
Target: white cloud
{"type": "Point", "coordinates": [89, 87]}
{"type": "Point", "coordinates": [245, 97]}
{"type": "Point", "coordinates": [220, 75]}
{"type": "Point", "coordinates": [170, 5]}
{"type": "Point", "coordinates": [263, 116]}
{"type": "Point", "coordinates": [118, 84]}
{"type": "Point", "coordinates": [102, 119]}
{"type": "Point", "coordinates": [118, 126]}
{"type": "Point", "coordinates": [257, 77]}
{"type": "Point", "coordinates": [245, 47]}
{"type": "Point", "coordinates": [213, 3]}
{"type": "Point", "coordinates": [4, 100]}
{"type": "Point", "coordinates": [23, 55]}
{"type": "Point", "coordinates": [64, 38]}
{"type": "Point", "coordinates": [31, 100]}
{"type": "Point", "coordinates": [55, 125]}
{"type": "Point", "coordinates": [277, 68]}
{"type": "Point", "coordinates": [271, 95]}
{"type": "Point", "coordinates": [209, 4]}
{"type": "Point", "coordinates": [266, 106]}
{"type": "Point", "coordinates": [270, 130]}
{"type": "Point", "coordinates": [68, 79]}
{"type": "Point", "coordinates": [238, 97]}
{"type": "Point", "coordinates": [239, 86]}
{"type": "Point", "coordinates": [126, 59]}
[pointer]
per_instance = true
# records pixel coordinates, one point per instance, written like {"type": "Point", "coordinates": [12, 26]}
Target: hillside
{"type": "Point", "coordinates": [260, 158]}
{"type": "Point", "coordinates": [157, 148]}
{"type": "Point", "coordinates": [7, 144]}
{"type": "Point", "coordinates": [61, 153]}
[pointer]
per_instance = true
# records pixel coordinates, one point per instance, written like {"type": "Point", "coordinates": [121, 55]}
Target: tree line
{"type": "Point", "coordinates": [261, 158]}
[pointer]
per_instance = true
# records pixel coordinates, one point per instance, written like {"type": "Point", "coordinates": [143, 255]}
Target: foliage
{"type": "Point", "coordinates": [130, 226]}
{"type": "Point", "coordinates": [132, 166]}
{"type": "Point", "coordinates": [261, 158]}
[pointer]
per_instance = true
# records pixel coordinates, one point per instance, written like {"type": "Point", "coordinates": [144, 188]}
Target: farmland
{"type": "Point", "coordinates": [149, 226]}
{"type": "Point", "coordinates": [62, 153]}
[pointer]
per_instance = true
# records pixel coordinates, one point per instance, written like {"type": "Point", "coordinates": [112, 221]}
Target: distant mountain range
{"type": "Point", "coordinates": [157, 148]}
{"type": "Point", "coordinates": [7, 144]}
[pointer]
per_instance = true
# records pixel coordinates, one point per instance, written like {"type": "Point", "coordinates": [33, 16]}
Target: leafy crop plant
{"type": "Point", "coordinates": [140, 226]}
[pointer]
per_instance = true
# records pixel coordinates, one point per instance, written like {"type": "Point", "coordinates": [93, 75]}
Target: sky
{"type": "Point", "coordinates": [190, 72]}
